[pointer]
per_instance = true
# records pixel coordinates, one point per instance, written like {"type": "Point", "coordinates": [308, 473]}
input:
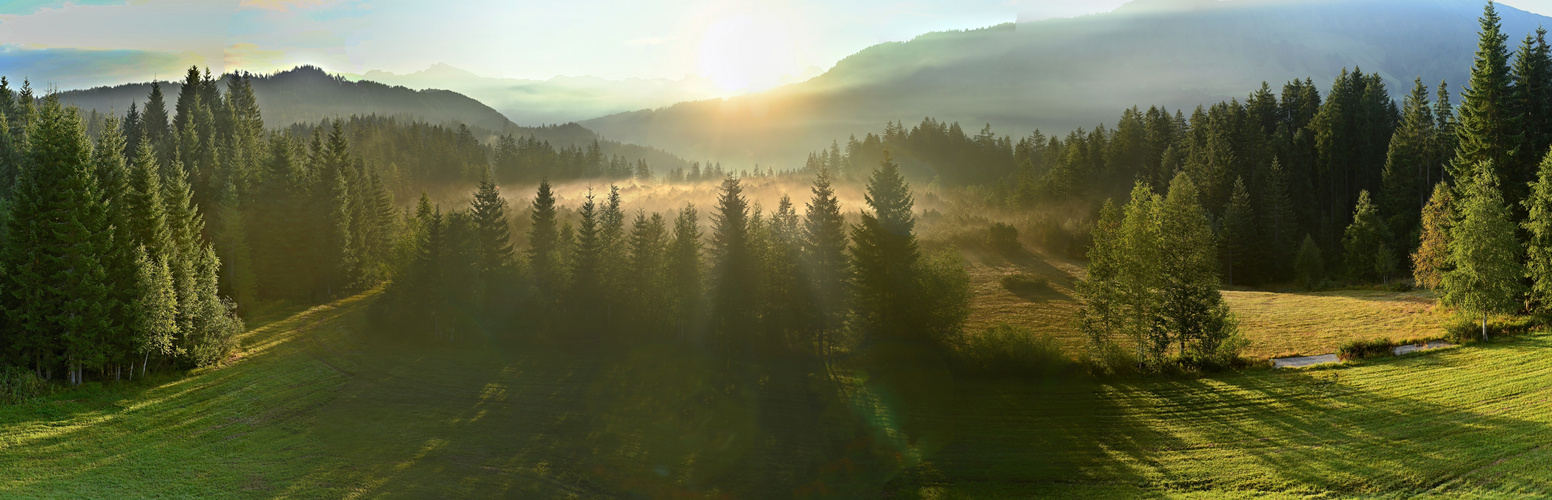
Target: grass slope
{"type": "Point", "coordinates": [319, 406]}
{"type": "Point", "coordinates": [1277, 324]}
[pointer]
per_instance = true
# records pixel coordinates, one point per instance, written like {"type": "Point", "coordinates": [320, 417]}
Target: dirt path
{"type": "Point", "coordinates": [1303, 361]}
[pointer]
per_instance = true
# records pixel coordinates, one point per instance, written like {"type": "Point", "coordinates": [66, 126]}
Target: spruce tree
{"type": "Point", "coordinates": [1532, 94]}
{"type": "Point", "coordinates": [1484, 251]}
{"type": "Point", "coordinates": [1488, 129]}
{"type": "Point", "coordinates": [734, 295]}
{"type": "Point", "coordinates": [154, 128]}
{"type": "Point", "coordinates": [542, 246]}
{"type": "Point", "coordinates": [333, 197]}
{"type": "Point", "coordinates": [490, 214]}
{"type": "Point", "coordinates": [1279, 223]}
{"type": "Point", "coordinates": [586, 267]}
{"type": "Point", "coordinates": [1239, 235]}
{"type": "Point", "coordinates": [231, 240]}
{"type": "Point", "coordinates": [57, 294]}
{"type": "Point", "coordinates": [612, 241]}
{"type": "Point", "coordinates": [884, 258]}
{"type": "Point", "coordinates": [1366, 252]}
{"type": "Point", "coordinates": [824, 259]}
{"type": "Point", "coordinates": [1309, 267]}
{"type": "Point", "coordinates": [1407, 164]}
{"type": "Point", "coordinates": [1538, 248]}
{"type": "Point", "coordinates": [648, 243]}
{"type": "Point", "coordinates": [684, 270]}
{"type": "Point", "coordinates": [121, 249]}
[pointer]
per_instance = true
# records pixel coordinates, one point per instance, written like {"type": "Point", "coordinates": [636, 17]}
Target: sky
{"type": "Point", "coordinates": [741, 45]}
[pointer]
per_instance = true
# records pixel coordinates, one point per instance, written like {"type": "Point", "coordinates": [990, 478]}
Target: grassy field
{"type": "Point", "coordinates": [320, 406]}
{"type": "Point", "coordinates": [1277, 324]}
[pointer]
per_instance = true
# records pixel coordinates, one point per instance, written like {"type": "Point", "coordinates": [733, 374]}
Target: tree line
{"type": "Point", "coordinates": [137, 242]}
{"type": "Point", "coordinates": [760, 285]}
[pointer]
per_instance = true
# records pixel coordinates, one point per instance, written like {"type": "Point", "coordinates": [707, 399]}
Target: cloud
{"type": "Point", "coordinates": [249, 57]}
{"type": "Point", "coordinates": [67, 68]}
{"type": "Point", "coordinates": [286, 5]}
{"type": "Point", "coordinates": [199, 26]}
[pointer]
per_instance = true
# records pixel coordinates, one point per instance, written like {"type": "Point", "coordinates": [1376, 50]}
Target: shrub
{"type": "Point", "coordinates": [1025, 284]}
{"type": "Point", "coordinates": [1003, 238]}
{"type": "Point", "coordinates": [1008, 351]}
{"type": "Point", "coordinates": [1364, 349]}
{"type": "Point", "coordinates": [18, 385]}
{"type": "Point", "coordinates": [1308, 267]}
{"type": "Point", "coordinates": [1464, 328]}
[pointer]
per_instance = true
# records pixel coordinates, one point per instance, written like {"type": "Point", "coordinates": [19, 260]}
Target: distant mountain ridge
{"type": "Point", "coordinates": [1061, 74]}
{"type": "Point", "coordinates": [560, 99]}
{"type": "Point", "coordinates": [307, 94]}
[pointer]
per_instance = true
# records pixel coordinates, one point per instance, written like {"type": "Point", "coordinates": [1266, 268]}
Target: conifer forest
{"type": "Point", "coordinates": [1096, 252]}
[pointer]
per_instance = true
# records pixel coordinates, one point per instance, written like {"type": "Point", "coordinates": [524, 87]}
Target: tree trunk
{"type": "Point", "coordinates": [1484, 327]}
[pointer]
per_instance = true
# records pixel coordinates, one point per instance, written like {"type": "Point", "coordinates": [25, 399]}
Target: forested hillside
{"type": "Point", "coordinates": [1058, 75]}
{"type": "Point", "coordinates": [307, 95]}
{"type": "Point", "coordinates": [136, 242]}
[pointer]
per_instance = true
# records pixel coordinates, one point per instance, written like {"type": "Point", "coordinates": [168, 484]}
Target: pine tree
{"type": "Point", "coordinates": [1407, 162]}
{"type": "Point", "coordinates": [1278, 223]}
{"type": "Point", "coordinates": [1239, 235]}
{"type": "Point", "coordinates": [495, 236]}
{"type": "Point", "coordinates": [283, 253]}
{"type": "Point", "coordinates": [587, 272]}
{"type": "Point", "coordinates": [153, 122]}
{"type": "Point", "coordinates": [1366, 252]}
{"type": "Point", "coordinates": [232, 241]}
{"type": "Point", "coordinates": [57, 294]}
{"type": "Point", "coordinates": [734, 296]}
{"type": "Point", "coordinates": [147, 215]}
{"type": "Point", "coordinates": [542, 245]}
{"type": "Point", "coordinates": [824, 259]}
{"type": "Point", "coordinates": [648, 243]}
{"type": "Point", "coordinates": [334, 199]}
{"type": "Point", "coordinates": [1431, 260]}
{"type": "Point", "coordinates": [1484, 251]}
{"type": "Point", "coordinates": [1487, 128]}
{"type": "Point", "coordinates": [121, 249]}
{"type": "Point", "coordinates": [1538, 249]}
{"type": "Point", "coordinates": [884, 258]}
{"type": "Point", "coordinates": [612, 258]}
{"type": "Point", "coordinates": [684, 270]}
{"type": "Point", "coordinates": [1309, 267]}
{"type": "Point", "coordinates": [1532, 97]}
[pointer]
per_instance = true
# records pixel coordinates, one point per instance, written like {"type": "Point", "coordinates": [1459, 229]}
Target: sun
{"type": "Point", "coordinates": [748, 53]}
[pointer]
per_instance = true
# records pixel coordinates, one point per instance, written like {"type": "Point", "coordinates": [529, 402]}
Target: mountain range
{"type": "Point", "coordinates": [1058, 75]}
{"type": "Point", "coordinates": [561, 99]}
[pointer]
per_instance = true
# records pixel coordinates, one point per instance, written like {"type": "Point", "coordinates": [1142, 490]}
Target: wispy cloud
{"type": "Point", "coordinates": [286, 5]}
{"type": "Point", "coordinates": [69, 68]}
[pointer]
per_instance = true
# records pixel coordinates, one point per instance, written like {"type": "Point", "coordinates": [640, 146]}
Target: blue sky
{"type": "Point", "coordinates": [741, 43]}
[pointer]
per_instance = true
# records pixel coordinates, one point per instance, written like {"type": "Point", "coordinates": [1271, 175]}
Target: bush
{"type": "Point", "coordinates": [1071, 237]}
{"type": "Point", "coordinates": [19, 385]}
{"type": "Point", "coordinates": [1364, 349]}
{"type": "Point", "coordinates": [1025, 284]}
{"type": "Point", "coordinates": [1003, 238]}
{"type": "Point", "coordinates": [1463, 328]}
{"type": "Point", "coordinates": [1011, 352]}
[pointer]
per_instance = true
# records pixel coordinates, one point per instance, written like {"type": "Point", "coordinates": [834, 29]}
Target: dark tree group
{"type": "Point", "coordinates": [757, 283]}
{"type": "Point", "coordinates": [104, 265]}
